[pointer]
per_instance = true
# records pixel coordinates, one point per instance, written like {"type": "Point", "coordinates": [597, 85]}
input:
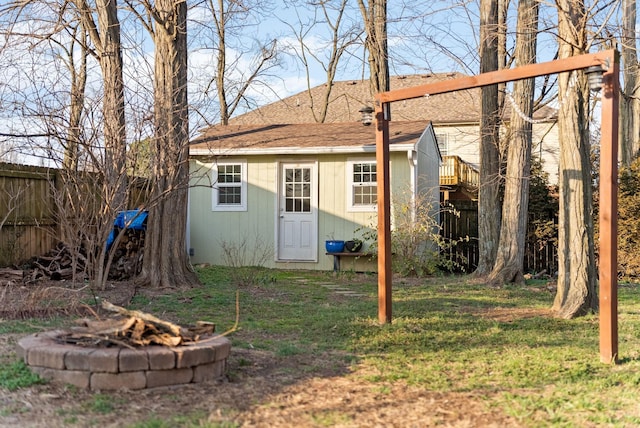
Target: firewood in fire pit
{"type": "Point", "coordinates": [134, 328]}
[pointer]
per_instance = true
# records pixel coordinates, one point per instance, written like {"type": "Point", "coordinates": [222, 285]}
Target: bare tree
{"type": "Point", "coordinates": [105, 37]}
{"type": "Point", "coordinates": [340, 41]}
{"type": "Point", "coordinates": [489, 191]}
{"type": "Point", "coordinates": [100, 22]}
{"type": "Point", "coordinates": [510, 256]}
{"type": "Point", "coordinates": [576, 294]}
{"type": "Point", "coordinates": [87, 201]}
{"type": "Point", "coordinates": [630, 99]}
{"type": "Point", "coordinates": [239, 63]}
{"type": "Point", "coordinates": [374, 15]}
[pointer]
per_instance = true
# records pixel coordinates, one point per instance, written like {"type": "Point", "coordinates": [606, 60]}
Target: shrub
{"type": "Point", "coordinates": [416, 242]}
{"type": "Point", "coordinates": [542, 227]}
{"type": "Point", "coordinates": [247, 257]}
{"type": "Point", "coordinates": [628, 224]}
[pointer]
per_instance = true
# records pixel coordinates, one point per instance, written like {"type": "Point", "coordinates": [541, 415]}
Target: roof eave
{"type": "Point", "coordinates": [297, 150]}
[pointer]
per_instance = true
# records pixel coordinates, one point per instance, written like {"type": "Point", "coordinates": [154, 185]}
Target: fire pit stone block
{"type": "Point", "coordinates": [194, 355]}
{"type": "Point", "coordinates": [129, 380]}
{"type": "Point", "coordinates": [77, 358]}
{"type": "Point", "coordinates": [26, 344]}
{"type": "Point", "coordinates": [104, 360]}
{"type": "Point", "coordinates": [161, 358]}
{"type": "Point", "coordinates": [77, 378]}
{"type": "Point", "coordinates": [223, 349]}
{"type": "Point", "coordinates": [169, 377]}
{"type": "Point", "coordinates": [51, 356]}
{"type": "Point", "coordinates": [131, 360]}
{"type": "Point", "coordinates": [211, 371]}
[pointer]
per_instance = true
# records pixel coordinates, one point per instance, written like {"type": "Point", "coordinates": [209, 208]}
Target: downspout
{"type": "Point", "coordinates": [190, 250]}
{"type": "Point", "coordinates": [412, 157]}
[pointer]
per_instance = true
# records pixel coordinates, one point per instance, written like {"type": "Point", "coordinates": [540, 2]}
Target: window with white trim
{"type": "Point", "coordinates": [362, 185]}
{"type": "Point", "coordinates": [230, 186]}
{"type": "Point", "coordinates": [443, 143]}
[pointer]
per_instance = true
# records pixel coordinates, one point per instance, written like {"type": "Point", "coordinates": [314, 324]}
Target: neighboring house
{"type": "Point", "coordinates": [275, 193]}
{"type": "Point", "coordinates": [455, 116]}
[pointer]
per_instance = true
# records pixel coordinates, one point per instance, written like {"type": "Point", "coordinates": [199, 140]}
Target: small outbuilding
{"type": "Point", "coordinates": [271, 195]}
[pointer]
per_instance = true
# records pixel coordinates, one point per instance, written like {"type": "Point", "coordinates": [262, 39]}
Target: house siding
{"type": "Point", "coordinates": [464, 141]}
{"type": "Point", "coordinates": [258, 224]}
{"type": "Point", "coordinates": [209, 231]}
{"type": "Point", "coordinates": [428, 174]}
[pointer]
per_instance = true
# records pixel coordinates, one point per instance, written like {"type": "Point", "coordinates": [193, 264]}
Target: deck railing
{"type": "Point", "coordinates": [455, 172]}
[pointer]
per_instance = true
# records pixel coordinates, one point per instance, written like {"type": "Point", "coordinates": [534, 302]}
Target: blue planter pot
{"type": "Point", "coordinates": [334, 246]}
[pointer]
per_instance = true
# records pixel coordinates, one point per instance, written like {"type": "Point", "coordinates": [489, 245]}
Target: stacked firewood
{"type": "Point", "coordinates": [10, 276]}
{"type": "Point", "coordinates": [127, 259]}
{"type": "Point", "coordinates": [58, 264]}
{"type": "Point", "coordinates": [133, 329]}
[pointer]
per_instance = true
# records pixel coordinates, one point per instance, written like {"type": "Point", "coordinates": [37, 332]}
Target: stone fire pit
{"type": "Point", "coordinates": [116, 367]}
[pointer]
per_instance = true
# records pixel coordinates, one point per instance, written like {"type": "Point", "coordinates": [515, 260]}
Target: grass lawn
{"type": "Point", "coordinates": [450, 340]}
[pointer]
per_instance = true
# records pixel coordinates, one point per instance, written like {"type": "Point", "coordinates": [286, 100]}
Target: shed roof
{"type": "Point", "coordinates": [303, 138]}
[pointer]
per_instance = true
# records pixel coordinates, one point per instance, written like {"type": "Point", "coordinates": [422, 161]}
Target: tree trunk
{"type": "Point", "coordinates": [108, 51]}
{"type": "Point", "coordinates": [576, 294]}
{"type": "Point", "coordinates": [375, 24]}
{"type": "Point", "coordinates": [166, 262]}
{"type": "Point", "coordinates": [113, 103]}
{"type": "Point", "coordinates": [114, 123]}
{"type": "Point", "coordinates": [69, 193]}
{"type": "Point", "coordinates": [76, 104]}
{"type": "Point", "coordinates": [510, 257]}
{"type": "Point", "coordinates": [221, 66]}
{"type": "Point", "coordinates": [489, 191]}
{"type": "Point", "coordinates": [629, 102]}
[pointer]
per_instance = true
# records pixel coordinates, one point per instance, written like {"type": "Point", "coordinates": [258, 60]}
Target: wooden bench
{"type": "Point", "coordinates": [336, 257]}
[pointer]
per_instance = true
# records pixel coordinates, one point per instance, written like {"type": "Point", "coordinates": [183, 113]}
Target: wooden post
{"type": "Point", "coordinates": [608, 267]}
{"type": "Point", "coordinates": [608, 271]}
{"type": "Point", "coordinates": [384, 213]}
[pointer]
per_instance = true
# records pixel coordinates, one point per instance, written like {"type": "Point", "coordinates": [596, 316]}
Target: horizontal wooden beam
{"type": "Point", "coordinates": [501, 76]}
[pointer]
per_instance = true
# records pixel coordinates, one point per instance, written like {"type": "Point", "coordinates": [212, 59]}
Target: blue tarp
{"type": "Point", "coordinates": [132, 219]}
{"type": "Point", "coordinates": [128, 220]}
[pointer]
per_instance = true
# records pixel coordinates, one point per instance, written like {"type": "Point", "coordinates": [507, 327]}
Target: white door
{"type": "Point", "coordinates": [298, 213]}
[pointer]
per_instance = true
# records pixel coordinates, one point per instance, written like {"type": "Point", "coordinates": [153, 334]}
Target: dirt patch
{"type": "Point", "coordinates": [257, 393]}
{"type": "Point", "coordinates": [260, 390]}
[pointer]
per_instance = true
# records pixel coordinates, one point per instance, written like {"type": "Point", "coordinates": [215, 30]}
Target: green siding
{"type": "Point", "coordinates": [209, 229]}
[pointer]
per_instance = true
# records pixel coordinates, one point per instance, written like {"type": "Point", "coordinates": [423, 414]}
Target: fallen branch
{"type": "Point", "coordinates": [170, 327]}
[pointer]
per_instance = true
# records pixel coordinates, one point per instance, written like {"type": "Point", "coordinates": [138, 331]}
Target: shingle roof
{"type": "Point", "coordinates": [290, 122]}
{"type": "Point", "coordinates": [294, 137]}
{"type": "Point", "coordinates": [348, 97]}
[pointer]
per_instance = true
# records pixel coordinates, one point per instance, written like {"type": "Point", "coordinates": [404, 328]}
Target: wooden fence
{"type": "Point", "coordinates": [461, 222]}
{"type": "Point", "coordinates": [29, 210]}
{"type": "Point", "coordinates": [27, 207]}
